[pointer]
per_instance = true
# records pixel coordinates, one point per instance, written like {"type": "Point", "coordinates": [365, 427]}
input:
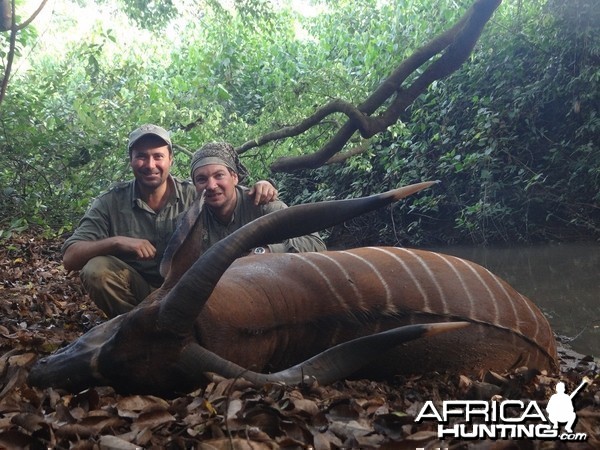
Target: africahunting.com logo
{"type": "Point", "coordinates": [507, 419]}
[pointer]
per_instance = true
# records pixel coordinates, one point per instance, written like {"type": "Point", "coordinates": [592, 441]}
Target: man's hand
{"type": "Point", "coordinates": [142, 248]}
{"type": "Point", "coordinates": [79, 253]}
{"type": "Point", "coordinates": [263, 192]}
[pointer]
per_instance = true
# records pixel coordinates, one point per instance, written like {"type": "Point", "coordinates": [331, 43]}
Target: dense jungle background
{"type": "Point", "coordinates": [513, 134]}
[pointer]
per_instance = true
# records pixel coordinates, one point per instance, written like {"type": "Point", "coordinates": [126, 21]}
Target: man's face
{"type": "Point", "coordinates": [218, 184]}
{"type": "Point", "coordinates": [151, 163]}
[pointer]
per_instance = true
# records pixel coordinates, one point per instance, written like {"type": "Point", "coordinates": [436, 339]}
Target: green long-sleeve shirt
{"type": "Point", "coordinates": [245, 212]}
{"type": "Point", "coordinates": [121, 212]}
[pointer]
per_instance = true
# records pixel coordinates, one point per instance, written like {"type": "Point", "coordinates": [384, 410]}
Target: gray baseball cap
{"type": "Point", "coordinates": [146, 130]}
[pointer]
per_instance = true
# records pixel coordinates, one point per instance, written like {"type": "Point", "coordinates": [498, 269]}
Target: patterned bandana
{"type": "Point", "coordinates": [218, 153]}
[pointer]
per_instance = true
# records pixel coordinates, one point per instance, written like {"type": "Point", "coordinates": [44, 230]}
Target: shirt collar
{"type": "Point", "coordinates": [135, 195]}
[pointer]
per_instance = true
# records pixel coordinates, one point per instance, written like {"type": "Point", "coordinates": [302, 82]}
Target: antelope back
{"type": "Point", "coordinates": [281, 309]}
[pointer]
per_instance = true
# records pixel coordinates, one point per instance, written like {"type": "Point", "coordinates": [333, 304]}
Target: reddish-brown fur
{"type": "Point", "coordinates": [281, 309]}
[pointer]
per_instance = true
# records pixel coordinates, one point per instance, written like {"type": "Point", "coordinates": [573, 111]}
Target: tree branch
{"type": "Point", "coordinates": [456, 43]}
{"type": "Point", "coordinates": [343, 156]}
{"type": "Point", "coordinates": [335, 106]}
{"type": "Point", "coordinates": [14, 29]}
{"type": "Point", "coordinates": [11, 53]}
{"type": "Point", "coordinates": [33, 16]}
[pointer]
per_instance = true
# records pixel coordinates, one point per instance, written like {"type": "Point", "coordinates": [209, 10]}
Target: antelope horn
{"type": "Point", "coordinates": [183, 303]}
{"type": "Point", "coordinates": [185, 225]}
{"type": "Point", "coordinates": [333, 364]}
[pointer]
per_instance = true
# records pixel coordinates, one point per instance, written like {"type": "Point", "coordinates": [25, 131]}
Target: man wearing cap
{"type": "Point", "coordinates": [216, 171]}
{"type": "Point", "coordinates": [119, 242]}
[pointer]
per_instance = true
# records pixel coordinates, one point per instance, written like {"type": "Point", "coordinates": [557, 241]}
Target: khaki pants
{"type": "Point", "coordinates": [114, 286]}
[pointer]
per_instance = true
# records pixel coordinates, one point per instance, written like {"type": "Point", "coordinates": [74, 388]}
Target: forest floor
{"type": "Point", "coordinates": [42, 307]}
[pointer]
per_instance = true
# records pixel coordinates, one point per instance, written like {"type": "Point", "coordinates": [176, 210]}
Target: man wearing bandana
{"type": "Point", "coordinates": [217, 172]}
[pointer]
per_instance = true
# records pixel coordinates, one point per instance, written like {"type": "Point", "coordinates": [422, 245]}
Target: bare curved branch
{"type": "Point", "coordinates": [33, 16]}
{"type": "Point", "coordinates": [334, 106]}
{"type": "Point", "coordinates": [456, 45]}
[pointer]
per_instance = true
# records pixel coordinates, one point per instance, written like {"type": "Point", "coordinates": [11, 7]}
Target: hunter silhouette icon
{"type": "Point", "coordinates": [560, 406]}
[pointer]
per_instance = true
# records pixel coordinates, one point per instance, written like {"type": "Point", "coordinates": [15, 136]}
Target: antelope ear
{"type": "Point", "coordinates": [185, 225]}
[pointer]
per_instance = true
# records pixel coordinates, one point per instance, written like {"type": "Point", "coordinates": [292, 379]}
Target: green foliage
{"type": "Point", "coordinates": [513, 135]}
{"type": "Point", "coordinates": [147, 14]}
